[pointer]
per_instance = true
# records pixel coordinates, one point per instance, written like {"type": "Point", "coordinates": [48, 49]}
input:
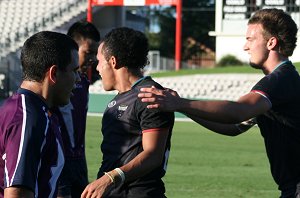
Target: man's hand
{"type": "Point", "coordinates": [166, 100]}
{"type": "Point", "coordinates": [97, 188]}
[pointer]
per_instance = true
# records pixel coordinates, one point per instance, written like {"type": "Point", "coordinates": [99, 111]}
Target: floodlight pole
{"type": "Point", "coordinates": [89, 11]}
{"type": "Point", "coordinates": [178, 36]}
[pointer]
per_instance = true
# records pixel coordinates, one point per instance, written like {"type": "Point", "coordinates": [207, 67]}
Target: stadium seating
{"type": "Point", "coordinates": [21, 18]}
{"type": "Point", "coordinates": [210, 86]}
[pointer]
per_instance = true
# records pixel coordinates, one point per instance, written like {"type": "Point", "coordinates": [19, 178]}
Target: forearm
{"type": "Point", "coordinates": [223, 129]}
{"type": "Point", "coordinates": [226, 112]}
{"type": "Point", "coordinates": [142, 164]}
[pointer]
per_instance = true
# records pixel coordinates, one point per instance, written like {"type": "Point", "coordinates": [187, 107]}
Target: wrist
{"type": "Point", "coordinates": [121, 174]}
{"type": "Point", "coordinates": [116, 176]}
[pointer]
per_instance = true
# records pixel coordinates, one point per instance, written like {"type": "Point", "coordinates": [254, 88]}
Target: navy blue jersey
{"type": "Point", "coordinates": [123, 122]}
{"type": "Point", "coordinates": [30, 145]}
{"type": "Point", "coordinates": [72, 119]}
{"type": "Point", "coordinates": [280, 126]}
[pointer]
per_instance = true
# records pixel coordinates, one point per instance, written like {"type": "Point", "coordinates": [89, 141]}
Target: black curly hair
{"type": "Point", "coordinates": [130, 48]}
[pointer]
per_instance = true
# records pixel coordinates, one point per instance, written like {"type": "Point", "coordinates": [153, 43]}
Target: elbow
{"type": "Point", "coordinates": [234, 134]}
{"type": "Point", "coordinates": [156, 160]}
{"type": "Point", "coordinates": [234, 118]}
{"type": "Point", "coordinates": [237, 117]}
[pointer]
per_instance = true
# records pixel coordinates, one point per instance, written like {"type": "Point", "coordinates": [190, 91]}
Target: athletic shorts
{"type": "Point", "coordinates": [73, 178]}
{"type": "Point", "coordinates": [153, 189]}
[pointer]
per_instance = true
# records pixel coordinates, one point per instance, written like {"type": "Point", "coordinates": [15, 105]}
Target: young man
{"type": "Point", "coordinates": [72, 117]}
{"type": "Point", "coordinates": [274, 101]}
{"type": "Point", "coordinates": [30, 142]}
{"type": "Point", "coordinates": [136, 140]}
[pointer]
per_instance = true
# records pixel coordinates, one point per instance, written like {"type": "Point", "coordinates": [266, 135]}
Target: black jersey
{"type": "Point", "coordinates": [123, 122]}
{"type": "Point", "coordinates": [280, 126]}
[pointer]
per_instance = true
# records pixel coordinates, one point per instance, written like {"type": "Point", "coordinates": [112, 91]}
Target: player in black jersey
{"type": "Point", "coordinates": [273, 102]}
{"type": "Point", "coordinates": [136, 140]}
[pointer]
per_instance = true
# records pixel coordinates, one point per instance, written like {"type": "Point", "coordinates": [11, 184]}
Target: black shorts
{"type": "Point", "coordinates": [73, 178]}
{"type": "Point", "coordinates": [151, 189]}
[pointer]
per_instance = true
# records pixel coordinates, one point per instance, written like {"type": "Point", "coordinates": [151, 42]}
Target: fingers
{"type": "Point", "coordinates": [152, 90]}
{"type": "Point", "coordinates": [84, 193]}
{"type": "Point", "coordinates": [145, 95]}
{"type": "Point", "coordinates": [153, 106]}
{"type": "Point", "coordinates": [88, 192]}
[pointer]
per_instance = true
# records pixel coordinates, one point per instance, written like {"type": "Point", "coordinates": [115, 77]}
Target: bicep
{"type": "Point", "coordinates": [254, 104]}
{"type": "Point", "coordinates": [154, 140]}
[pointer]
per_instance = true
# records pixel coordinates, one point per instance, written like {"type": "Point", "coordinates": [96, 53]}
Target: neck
{"type": "Point", "coordinates": [125, 80]}
{"type": "Point", "coordinates": [38, 89]}
{"type": "Point", "coordinates": [272, 63]}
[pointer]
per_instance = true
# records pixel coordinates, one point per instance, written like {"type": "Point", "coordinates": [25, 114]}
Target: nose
{"type": "Point", "coordinates": [246, 47]}
{"type": "Point", "coordinates": [98, 66]}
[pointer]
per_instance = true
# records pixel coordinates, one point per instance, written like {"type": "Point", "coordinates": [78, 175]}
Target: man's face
{"type": "Point", "coordinates": [87, 54]}
{"type": "Point", "coordinates": [66, 81]}
{"type": "Point", "coordinates": [256, 46]}
{"type": "Point", "coordinates": [105, 70]}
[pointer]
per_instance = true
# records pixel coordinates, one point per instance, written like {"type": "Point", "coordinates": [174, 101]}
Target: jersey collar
{"type": "Point", "coordinates": [280, 64]}
{"type": "Point", "coordinates": [139, 80]}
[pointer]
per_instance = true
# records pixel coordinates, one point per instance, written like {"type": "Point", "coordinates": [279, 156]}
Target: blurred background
{"type": "Point", "coordinates": [212, 32]}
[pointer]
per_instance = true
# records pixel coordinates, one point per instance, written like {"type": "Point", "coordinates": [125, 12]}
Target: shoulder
{"type": "Point", "coordinates": [148, 82]}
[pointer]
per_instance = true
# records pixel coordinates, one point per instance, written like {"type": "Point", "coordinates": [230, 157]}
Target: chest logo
{"type": "Point", "coordinates": [111, 104]}
{"type": "Point", "coordinates": [121, 110]}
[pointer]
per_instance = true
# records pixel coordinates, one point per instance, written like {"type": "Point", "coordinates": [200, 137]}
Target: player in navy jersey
{"type": "Point", "coordinates": [136, 140]}
{"type": "Point", "coordinates": [273, 103]}
{"type": "Point", "coordinates": [30, 141]}
{"type": "Point", "coordinates": [72, 117]}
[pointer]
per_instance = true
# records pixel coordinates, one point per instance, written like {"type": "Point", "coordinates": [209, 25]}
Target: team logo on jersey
{"type": "Point", "coordinates": [111, 104]}
{"type": "Point", "coordinates": [121, 110]}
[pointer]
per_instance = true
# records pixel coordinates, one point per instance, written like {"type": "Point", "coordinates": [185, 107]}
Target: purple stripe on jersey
{"type": "Point", "coordinates": [30, 145]}
{"type": "Point", "coordinates": [21, 141]}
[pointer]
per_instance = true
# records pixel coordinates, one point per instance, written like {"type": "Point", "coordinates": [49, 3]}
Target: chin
{"type": "Point", "coordinates": [254, 65]}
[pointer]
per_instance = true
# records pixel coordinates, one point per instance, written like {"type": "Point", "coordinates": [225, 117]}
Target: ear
{"type": "Point", "coordinates": [53, 73]}
{"type": "Point", "coordinates": [272, 43]}
{"type": "Point", "coordinates": [113, 62]}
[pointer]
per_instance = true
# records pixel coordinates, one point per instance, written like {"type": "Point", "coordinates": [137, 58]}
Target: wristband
{"type": "Point", "coordinates": [110, 177]}
{"type": "Point", "coordinates": [121, 173]}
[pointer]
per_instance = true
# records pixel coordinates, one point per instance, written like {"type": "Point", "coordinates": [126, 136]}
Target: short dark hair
{"type": "Point", "coordinates": [84, 29]}
{"type": "Point", "coordinates": [44, 49]}
{"type": "Point", "coordinates": [129, 46]}
{"type": "Point", "coordinates": [277, 23]}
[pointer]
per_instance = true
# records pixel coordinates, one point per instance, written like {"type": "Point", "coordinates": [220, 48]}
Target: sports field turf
{"type": "Point", "coordinates": [203, 164]}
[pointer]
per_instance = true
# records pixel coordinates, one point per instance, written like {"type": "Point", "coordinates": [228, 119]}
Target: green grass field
{"type": "Point", "coordinates": [203, 164]}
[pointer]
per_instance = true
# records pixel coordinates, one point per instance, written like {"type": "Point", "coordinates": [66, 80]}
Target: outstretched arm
{"type": "Point", "coordinates": [225, 129]}
{"type": "Point", "coordinates": [221, 111]}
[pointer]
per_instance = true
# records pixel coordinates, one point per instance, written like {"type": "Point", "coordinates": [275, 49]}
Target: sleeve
{"type": "Point", "coordinates": [277, 87]}
{"type": "Point", "coordinates": [23, 141]}
{"type": "Point", "coordinates": [266, 88]}
{"type": "Point", "coordinates": [153, 118]}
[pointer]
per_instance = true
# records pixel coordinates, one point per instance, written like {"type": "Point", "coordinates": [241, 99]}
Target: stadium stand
{"type": "Point", "coordinates": [200, 86]}
{"type": "Point", "coordinates": [21, 18]}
